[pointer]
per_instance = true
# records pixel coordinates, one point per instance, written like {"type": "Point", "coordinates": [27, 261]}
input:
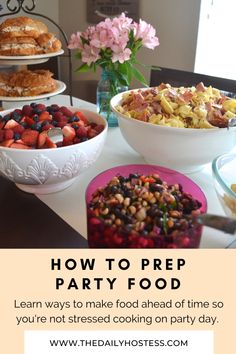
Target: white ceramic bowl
{"type": "Point", "coordinates": [182, 149]}
{"type": "Point", "coordinates": [43, 171]}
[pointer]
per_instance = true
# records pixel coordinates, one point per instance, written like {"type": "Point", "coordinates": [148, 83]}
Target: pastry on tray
{"type": "Point", "coordinates": [49, 43]}
{"type": "Point", "coordinates": [26, 83]}
{"type": "Point", "coordinates": [16, 46]}
{"type": "Point", "coordinates": [25, 36]}
{"type": "Point", "coordinates": [22, 26]}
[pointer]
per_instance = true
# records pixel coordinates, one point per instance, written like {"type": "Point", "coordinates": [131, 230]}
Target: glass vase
{"type": "Point", "coordinates": [107, 88]}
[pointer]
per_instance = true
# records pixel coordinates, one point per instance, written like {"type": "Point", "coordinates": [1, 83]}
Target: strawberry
{"type": "Point", "coordinates": [47, 126]}
{"type": "Point", "coordinates": [67, 141]}
{"type": "Point", "coordinates": [78, 124]}
{"type": "Point", "coordinates": [49, 143]}
{"type": "Point", "coordinates": [30, 137]}
{"type": "Point", "coordinates": [92, 133]}
{"type": "Point", "coordinates": [19, 141]}
{"type": "Point", "coordinates": [99, 128]}
{"type": "Point", "coordinates": [42, 139]}
{"type": "Point", "coordinates": [19, 146]}
{"type": "Point", "coordinates": [81, 116]}
{"type": "Point", "coordinates": [18, 129]}
{"type": "Point", "coordinates": [7, 143]}
{"type": "Point", "coordinates": [45, 116]}
{"type": "Point", "coordinates": [2, 134]}
{"type": "Point", "coordinates": [66, 111]}
{"type": "Point", "coordinates": [10, 124]}
{"type": "Point", "coordinates": [29, 121]}
{"type": "Point", "coordinates": [76, 140]}
{"type": "Point", "coordinates": [68, 132]}
{"type": "Point", "coordinates": [9, 134]}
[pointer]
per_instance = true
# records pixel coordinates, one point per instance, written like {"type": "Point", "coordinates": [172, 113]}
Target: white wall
{"type": "Point", "coordinates": [176, 22]}
{"type": "Point", "coordinates": [215, 53]}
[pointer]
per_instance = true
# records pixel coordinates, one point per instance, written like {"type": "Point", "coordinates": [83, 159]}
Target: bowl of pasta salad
{"type": "Point", "coordinates": [178, 127]}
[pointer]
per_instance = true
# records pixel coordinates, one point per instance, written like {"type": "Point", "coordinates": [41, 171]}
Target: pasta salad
{"type": "Point", "coordinates": [179, 107]}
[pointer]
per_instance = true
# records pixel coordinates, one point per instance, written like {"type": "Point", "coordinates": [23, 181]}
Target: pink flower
{"type": "Point", "coordinates": [90, 54]}
{"type": "Point", "coordinates": [101, 39]}
{"type": "Point", "coordinates": [120, 55]}
{"type": "Point", "coordinates": [122, 22]}
{"type": "Point", "coordinates": [113, 42]}
{"type": "Point", "coordinates": [75, 41]}
{"type": "Point", "coordinates": [147, 34]}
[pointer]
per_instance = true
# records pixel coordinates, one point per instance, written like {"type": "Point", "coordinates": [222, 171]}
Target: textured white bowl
{"type": "Point", "coordinates": [183, 149]}
{"type": "Point", "coordinates": [43, 171]}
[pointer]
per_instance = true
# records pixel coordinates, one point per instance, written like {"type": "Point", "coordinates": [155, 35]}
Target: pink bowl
{"type": "Point", "coordinates": [101, 235]}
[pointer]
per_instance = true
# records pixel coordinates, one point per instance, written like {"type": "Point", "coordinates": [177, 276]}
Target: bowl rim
{"type": "Point", "coordinates": [84, 110]}
{"type": "Point", "coordinates": [204, 206]}
{"type": "Point", "coordinates": [162, 127]}
{"type": "Point", "coordinates": [215, 170]}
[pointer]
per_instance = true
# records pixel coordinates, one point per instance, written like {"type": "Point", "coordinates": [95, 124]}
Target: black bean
{"type": "Point", "coordinates": [154, 187]}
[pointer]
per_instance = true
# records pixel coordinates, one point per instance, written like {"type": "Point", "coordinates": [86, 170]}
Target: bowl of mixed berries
{"type": "Point", "coordinates": [44, 148]}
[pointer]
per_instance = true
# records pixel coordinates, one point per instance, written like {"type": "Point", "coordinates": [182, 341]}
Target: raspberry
{"type": "Point", "coordinates": [61, 124]}
{"type": "Point", "coordinates": [41, 107]}
{"type": "Point", "coordinates": [55, 107]}
{"type": "Point", "coordinates": [57, 116]}
{"type": "Point", "coordinates": [82, 132]}
{"type": "Point", "coordinates": [66, 111]}
{"type": "Point", "coordinates": [27, 110]}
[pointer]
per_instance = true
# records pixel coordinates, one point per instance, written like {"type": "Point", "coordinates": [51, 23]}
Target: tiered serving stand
{"type": "Point", "coordinates": [14, 7]}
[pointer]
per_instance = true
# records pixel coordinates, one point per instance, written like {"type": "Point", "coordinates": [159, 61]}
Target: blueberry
{"type": "Point", "coordinates": [37, 110]}
{"type": "Point", "coordinates": [35, 117]}
{"type": "Point", "coordinates": [45, 122]}
{"type": "Point", "coordinates": [83, 139]}
{"type": "Point", "coordinates": [134, 175]}
{"type": "Point", "coordinates": [154, 187]}
{"type": "Point", "coordinates": [113, 189]}
{"type": "Point", "coordinates": [36, 126]}
{"type": "Point", "coordinates": [73, 119]}
{"type": "Point", "coordinates": [33, 104]}
{"type": "Point", "coordinates": [75, 126]}
{"type": "Point", "coordinates": [17, 136]}
{"type": "Point", "coordinates": [50, 109]}
{"type": "Point", "coordinates": [16, 116]}
{"type": "Point", "coordinates": [24, 124]}
{"type": "Point", "coordinates": [6, 118]}
{"type": "Point", "coordinates": [54, 123]}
